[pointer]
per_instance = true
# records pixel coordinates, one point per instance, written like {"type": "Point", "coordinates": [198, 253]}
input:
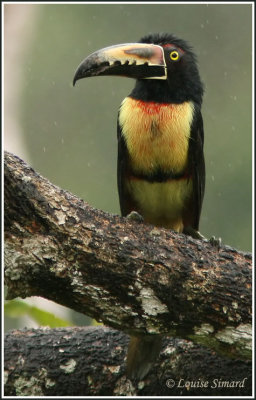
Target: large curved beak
{"type": "Point", "coordinates": [134, 60]}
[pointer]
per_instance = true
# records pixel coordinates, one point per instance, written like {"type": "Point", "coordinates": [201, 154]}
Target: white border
{"type": "Point", "coordinates": [253, 197]}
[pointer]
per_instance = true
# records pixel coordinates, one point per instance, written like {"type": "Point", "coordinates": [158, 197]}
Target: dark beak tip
{"type": "Point", "coordinates": [76, 77]}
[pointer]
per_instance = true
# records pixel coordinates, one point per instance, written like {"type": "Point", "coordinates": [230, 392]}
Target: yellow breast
{"type": "Point", "coordinates": [161, 203]}
{"type": "Point", "coordinates": [156, 134]}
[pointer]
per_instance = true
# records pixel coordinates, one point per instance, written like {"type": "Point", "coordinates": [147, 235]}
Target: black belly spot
{"type": "Point", "coordinates": [154, 130]}
{"type": "Point", "coordinates": [159, 176]}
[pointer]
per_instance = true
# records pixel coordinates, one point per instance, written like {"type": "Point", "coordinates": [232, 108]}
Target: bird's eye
{"type": "Point", "coordinates": [174, 55]}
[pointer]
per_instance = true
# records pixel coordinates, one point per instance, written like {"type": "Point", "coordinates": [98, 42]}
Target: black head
{"type": "Point", "coordinates": [183, 79]}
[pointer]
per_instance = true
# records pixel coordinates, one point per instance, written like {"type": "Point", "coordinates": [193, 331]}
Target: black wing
{"type": "Point", "coordinates": [125, 200]}
{"type": "Point", "coordinates": [197, 166]}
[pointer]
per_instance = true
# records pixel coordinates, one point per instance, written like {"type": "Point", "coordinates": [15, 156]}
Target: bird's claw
{"type": "Point", "coordinates": [134, 216]}
{"type": "Point", "coordinates": [216, 242]}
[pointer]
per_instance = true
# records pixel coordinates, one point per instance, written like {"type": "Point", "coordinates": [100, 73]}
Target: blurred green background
{"type": "Point", "coordinates": [69, 134]}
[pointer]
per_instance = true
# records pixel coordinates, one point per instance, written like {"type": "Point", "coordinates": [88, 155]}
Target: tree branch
{"type": "Point", "coordinates": [67, 355]}
{"type": "Point", "coordinates": [133, 277]}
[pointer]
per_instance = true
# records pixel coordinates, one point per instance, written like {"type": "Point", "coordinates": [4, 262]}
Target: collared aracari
{"type": "Point", "coordinates": [161, 172]}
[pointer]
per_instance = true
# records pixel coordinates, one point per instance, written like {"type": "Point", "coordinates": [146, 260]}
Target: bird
{"type": "Point", "coordinates": [160, 133]}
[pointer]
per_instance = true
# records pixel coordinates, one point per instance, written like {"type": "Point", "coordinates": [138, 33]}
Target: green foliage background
{"type": "Point", "coordinates": [17, 308]}
{"type": "Point", "coordinates": [70, 133]}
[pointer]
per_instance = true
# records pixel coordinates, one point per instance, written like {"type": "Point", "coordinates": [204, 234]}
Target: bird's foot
{"type": "Point", "coordinates": [134, 216]}
{"type": "Point", "coordinates": [194, 233]}
{"type": "Point", "coordinates": [215, 242]}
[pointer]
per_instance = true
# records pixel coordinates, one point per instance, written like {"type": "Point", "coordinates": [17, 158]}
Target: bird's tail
{"type": "Point", "coordinates": [142, 354]}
